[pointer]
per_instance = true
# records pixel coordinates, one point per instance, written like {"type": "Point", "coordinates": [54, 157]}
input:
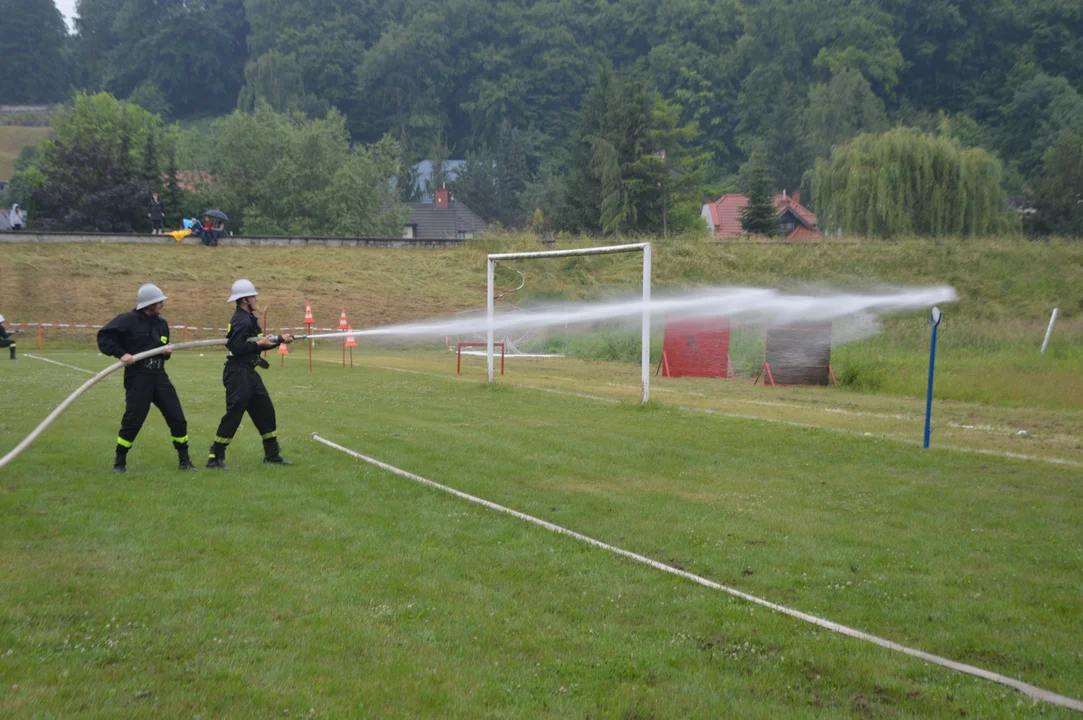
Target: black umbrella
{"type": "Point", "coordinates": [217, 214]}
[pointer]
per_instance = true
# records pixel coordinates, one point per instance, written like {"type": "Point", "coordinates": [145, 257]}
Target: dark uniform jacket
{"type": "Point", "coordinates": [135, 332]}
{"type": "Point", "coordinates": [4, 334]}
{"type": "Point", "coordinates": [242, 326]}
{"type": "Point", "coordinates": [157, 210]}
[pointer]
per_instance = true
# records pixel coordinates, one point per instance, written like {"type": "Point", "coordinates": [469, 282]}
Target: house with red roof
{"type": "Point", "coordinates": [795, 221]}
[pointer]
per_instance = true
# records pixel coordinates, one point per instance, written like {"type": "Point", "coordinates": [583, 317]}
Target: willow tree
{"type": "Point", "coordinates": [905, 182]}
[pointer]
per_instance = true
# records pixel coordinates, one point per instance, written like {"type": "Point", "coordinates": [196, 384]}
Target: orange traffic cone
{"type": "Point", "coordinates": [308, 314]}
{"type": "Point", "coordinates": [283, 351]}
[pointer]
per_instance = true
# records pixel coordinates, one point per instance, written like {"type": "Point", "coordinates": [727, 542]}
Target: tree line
{"type": "Point", "coordinates": [524, 88]}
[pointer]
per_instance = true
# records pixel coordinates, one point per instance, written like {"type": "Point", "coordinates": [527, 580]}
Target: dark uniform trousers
{"type": "Point", "coordinates": [245, 392]}
{"type": "Point", "coordinates": [141, 390]}
{"type": "Point", "coordinates": [6, 341]}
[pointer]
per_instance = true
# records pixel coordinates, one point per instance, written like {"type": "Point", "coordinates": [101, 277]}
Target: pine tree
{"type": "Point", "coordinates": [758, 216]}
{"type": "Point", "coordinates": [512, 176]}
{"type": "Point", "coordinates": [438, 156]}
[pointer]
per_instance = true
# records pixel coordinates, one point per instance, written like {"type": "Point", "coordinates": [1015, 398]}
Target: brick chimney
{"type": "Point", "coordinates": [796, 197]}
{"type": "Point", "coordinates": [441, 197]}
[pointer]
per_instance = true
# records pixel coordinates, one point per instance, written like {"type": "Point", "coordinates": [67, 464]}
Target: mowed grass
{"type": "Point", "coordinates": [12, 141]}
{"type": "Point", "coordinates": [333, 589]}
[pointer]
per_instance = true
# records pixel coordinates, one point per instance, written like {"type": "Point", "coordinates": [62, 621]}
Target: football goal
{"type": "Point", "coordinates": [644, 248]}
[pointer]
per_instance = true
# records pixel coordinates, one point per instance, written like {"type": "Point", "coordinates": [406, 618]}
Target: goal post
{"type": "Point", "coordinates": [645, 248]}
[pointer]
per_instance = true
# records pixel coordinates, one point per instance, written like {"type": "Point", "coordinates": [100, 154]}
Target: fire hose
{"type": "Point", "coordinates": [91, 383]}
{"type": "Point", "coordinates": [44, 425]}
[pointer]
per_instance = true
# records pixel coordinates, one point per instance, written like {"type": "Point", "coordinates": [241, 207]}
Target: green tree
{"type": "Point", "coordinates": [512, 176]}
{"type": "Point", "coordinates": [151, 98]}
{"type": "Point", "coordinates": [631, 166]}
{"type": "Point", "coordinates": [193, 52]}
{"type": "Point", "coordinates": [26, 179]}
{"type": "Point", "coordinates": [476, 186]}
{"type": "Point", "coordinates": [328, 39]}
{"type": "Point", "coordinates": [1041, 108]}
{"type": "Point", "coordinates": [85, 188]}
{"type": "Point", "coordinates": [438, 154]}
{"type": "Point", "coordinates": [670, 173]}
{"type": "Point", "coordinates": [906, 182]}
{"type": "Point", "coordinates": [402, 78]}
{"type": "Point", "coordinates": [276, 79]}
{"type": "Point", "coordinates": [612, 133]}
{"type": "Point", "coordinates": [840, 110]}
{"type": "Point", "coordinates": [696, 65]}
{"type": "Point", "coordinates": [151, 162]}
{"type": "Point", "coordinates": [172, 194]}
{"type": "Point", "coordinates": [33, 44]}
{"type": "Point", "coordinates": [281, 174]}
{"type": "Point", "coordinates": [1058, 190]}
{"type": "Point", "coordinates": [758, 216]}
{"type": "Point", "coordinates": [93, 172]}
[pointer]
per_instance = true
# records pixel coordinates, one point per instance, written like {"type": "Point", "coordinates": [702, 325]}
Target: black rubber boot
{"type": "Point", "coordinates": [182, 456]}
{"type": "Point", "coordinates": [120, 463]}
{"type": "Point", "coordinates": [12, 349]}
{"type": "Point", "coordinates": [272, 455]}
{"type": "Point", "coordinates": [216, 457]}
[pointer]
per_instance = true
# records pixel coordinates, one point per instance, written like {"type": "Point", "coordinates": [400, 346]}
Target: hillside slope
{"type": "Point", "coordinates": [1000, 281]}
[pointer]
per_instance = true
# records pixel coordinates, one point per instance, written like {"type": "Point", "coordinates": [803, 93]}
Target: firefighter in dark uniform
{"type": "Point", "coordinates": [145, 381]}
{"type": "Point", "coordinates": [245, 391]}
{"type": "Point", "coordinates": [5, 338]}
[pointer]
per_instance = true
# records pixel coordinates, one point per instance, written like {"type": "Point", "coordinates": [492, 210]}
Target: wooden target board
{"type": "Point", "coordinates": [799, 354]}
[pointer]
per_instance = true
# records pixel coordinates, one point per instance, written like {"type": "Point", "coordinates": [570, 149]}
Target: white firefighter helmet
{"type": "Point", "coordinates": [242, 289]}
{"type": "Point", "coordinates": [1, 318]}
{"type": "Point", "coordinates": [149, 294]}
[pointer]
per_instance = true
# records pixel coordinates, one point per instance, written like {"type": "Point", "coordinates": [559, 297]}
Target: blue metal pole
{"type": "Point", "coordinates": [929, 395]}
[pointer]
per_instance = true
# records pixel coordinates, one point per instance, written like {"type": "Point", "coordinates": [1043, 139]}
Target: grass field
{"type": "Point", "coordinates": [332, 588]}
{"type": "Point", "coordinates": [12, 141]}
{"type": "Point", "coordinates": [335, 589]}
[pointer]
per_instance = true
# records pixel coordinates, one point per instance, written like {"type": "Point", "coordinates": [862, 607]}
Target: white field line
{"type": "Point", "coordinates": [54, 362]}
{"type": "Point", "coordinates": [744, 416]}
{"type": "Point", "coordinates": [840, 411]}
{"type": "Point", "coordinates": [833, 410]}
{"type": "Point", "coordinates": [1025, 688]}
{"type": "Point", "coordinates": [709, 411]}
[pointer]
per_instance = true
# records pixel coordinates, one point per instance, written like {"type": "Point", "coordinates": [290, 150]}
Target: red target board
{"type": "Point", "coordinates": [697, 348]}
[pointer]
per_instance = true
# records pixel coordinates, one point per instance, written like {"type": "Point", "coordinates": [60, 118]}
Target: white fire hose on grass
{"type": "Point", "coordinates": [91, 383]}
{"type": "Point", "coordinates": [4, 461]}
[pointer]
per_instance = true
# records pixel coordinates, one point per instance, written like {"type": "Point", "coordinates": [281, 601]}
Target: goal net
{"type": "Point", "coordinates": [522, 328]}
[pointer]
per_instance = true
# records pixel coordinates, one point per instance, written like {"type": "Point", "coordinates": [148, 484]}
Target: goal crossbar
{"type": "Point", "coordinates": [645, 248]}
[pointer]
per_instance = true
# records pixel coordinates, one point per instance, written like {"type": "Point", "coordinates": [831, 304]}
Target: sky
{"type": "Point", "coordinates": [67, 9]}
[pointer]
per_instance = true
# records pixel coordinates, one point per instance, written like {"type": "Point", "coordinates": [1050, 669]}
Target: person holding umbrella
{"type": "Point", "coordinates": [213, 227]}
